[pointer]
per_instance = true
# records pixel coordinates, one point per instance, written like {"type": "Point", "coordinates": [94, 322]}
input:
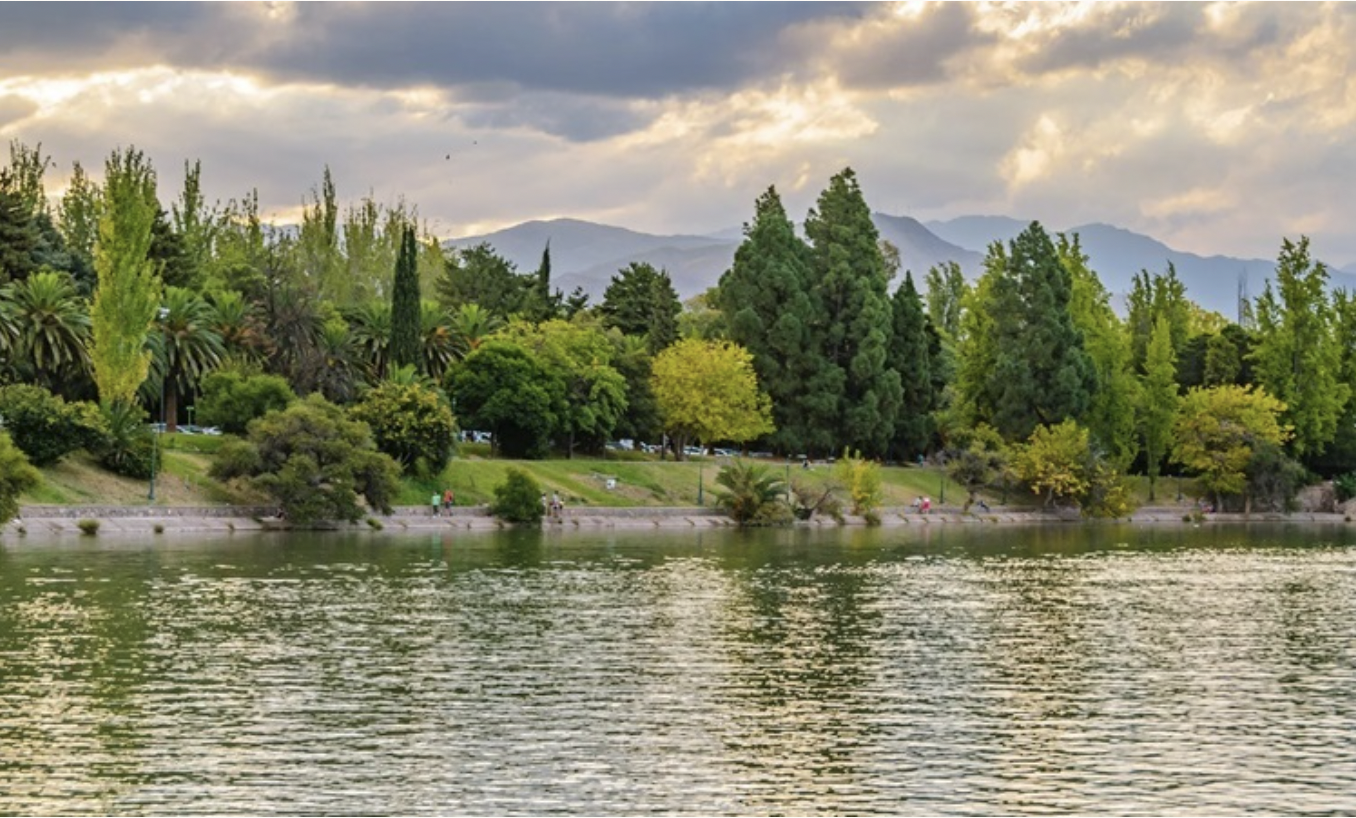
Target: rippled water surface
{"type": "Point", "coordinates": [1016, 671]}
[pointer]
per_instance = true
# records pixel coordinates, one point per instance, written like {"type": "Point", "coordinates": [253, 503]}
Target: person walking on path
{"type": "Point", "coordinates": [436, 498]}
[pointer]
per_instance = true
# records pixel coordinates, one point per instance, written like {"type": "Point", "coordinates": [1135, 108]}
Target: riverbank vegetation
{"type": "Point", "coordinates": [117, 312]}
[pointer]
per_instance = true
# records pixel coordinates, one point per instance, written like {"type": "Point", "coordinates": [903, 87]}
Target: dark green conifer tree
{"type": "Point", "coordinates": [910, 355]}
{"type": "Point", "coordinates": [768, 310]}
{"type": "Point", "coordinates": [640, 300]}
{"type": "Point", "coordinates": [406, 341]}
{"type": "Point", "coordinates": [850, 286]}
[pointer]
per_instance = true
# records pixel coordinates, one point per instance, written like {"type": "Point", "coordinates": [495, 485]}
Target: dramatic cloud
{"type": "Point", "coordinates": [1218, 127]}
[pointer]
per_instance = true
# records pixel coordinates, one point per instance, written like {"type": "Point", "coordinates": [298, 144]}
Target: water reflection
{"type": "Point", "coordinates": [942, 670]}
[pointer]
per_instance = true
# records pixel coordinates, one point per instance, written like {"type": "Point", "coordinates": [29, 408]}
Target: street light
{"type": "Point", "coordinates": [700, 466]}
{"type": "Point", "coordinates": [155, 439]}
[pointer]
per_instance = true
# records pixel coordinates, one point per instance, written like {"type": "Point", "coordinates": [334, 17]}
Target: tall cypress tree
{"type": "Point", "coordinates": [405, 314]}
{"type": "Point", "coordinates": [850, 285]}
{"type": "Point", "coordinates": [767, 306]}
{"type": "Point", "coordinates": [910, 354]}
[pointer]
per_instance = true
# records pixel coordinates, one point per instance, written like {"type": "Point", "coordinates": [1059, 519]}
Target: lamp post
{"type": "Point", "coordinates": [155, 439]}
{"type": "Point", "coordinates": [700, 467]}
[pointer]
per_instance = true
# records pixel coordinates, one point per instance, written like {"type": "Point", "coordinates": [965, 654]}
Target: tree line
{"type": "Point", "coordinates": [809, 345]}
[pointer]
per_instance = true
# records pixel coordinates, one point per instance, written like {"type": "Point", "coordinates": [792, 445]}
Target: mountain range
{"type": "Point", "coordinates": [585, 254]}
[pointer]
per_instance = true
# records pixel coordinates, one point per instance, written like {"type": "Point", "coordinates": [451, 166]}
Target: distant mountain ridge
{"type": "Point", "coordinates": [588, 255]}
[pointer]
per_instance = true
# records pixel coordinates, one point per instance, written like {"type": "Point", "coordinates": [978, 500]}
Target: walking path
{"type": "Point", "coordinates": [140, 520]}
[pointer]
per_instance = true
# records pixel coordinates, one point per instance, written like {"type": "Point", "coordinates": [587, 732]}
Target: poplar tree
{"type": "Point", "coordinates": [405, 312]}
{"type": "Point", "coordinates": [1297, 358]}
{"type": "Point", "coordinates": [1159, 398]}
{"type": "Point", "coordinates": [849, 284]}
{"type": "Point", "coordinates": [129, 288]}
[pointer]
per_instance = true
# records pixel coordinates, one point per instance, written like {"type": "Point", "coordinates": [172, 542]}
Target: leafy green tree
{"type": "Point", "coordinates": [1054, 462]}
{"type": "Point", "coordinates": [45, 427]}
{"type": "Point", "coordinates": [708, 391]}
{"type": "Point", "coordinates": [580, 356]}
{"type": "Point", "coordinates": [78, 218]}
{"type": "Point", "coordinates": [541, 302]}
{"type": "Point", "coordinates": [970, 401]}
{"type": "Point", "coordinates": [406, 320]}
{"type": "Point", "coordinates": [752, 495]}
{"type": "Point", "coordinates": [946, 298]}
{"type": "Point", "coordinates": [52, 329]}
{"type": "Point", "coordinates": [766, 301]}
{"type": "Point", "coordinates": [1222, 361]}
{"type": "Point", "coordinates": [1159, 399]}
{"type": "Point", "coordinates": [195, 223]}
{"type": "Point", "coordinates": [169, 254]}
{"type": "Point", "coordinates": [186, 348]}
{"type": "Point", "coordinates": [128, 294]}
{"type": "Point", "coordinates": [410, 422]}
{"type": "Point", "coordinates": [640, 300]}
{"type": "Point", "coordinates": [849, 283]}
{"type": "Point", "coordinates": [505, 390]}
{"type": "Point", "coordinates": [980, 457]}
{"type": "Point", "coordinates": [632, 360]}
{"type": "Point", "coordinates": [17, 476]}
{"type": "Point", "coordinates": [518, 498]}
{"type": "Point", "coordinates": [910, 355]}
{"type": "Point", "coordinates": [231, 398]}
{"type": "Point", "coordinates": [315, 461]}
{"type": "Point", "coordinates": [341, 362]}
{"type": "Point", "coordinates": [317, 248]}
{"type": "Point", "coordinates": [1155, 296]}
{"type": "Point", "coordinates": [244, 338]}
{"type": "Point", "coordinates": [1110, 416]}
{"type": "Point", "coordinates": [479, 275]}
{"type": "Point", "coordinates": [1297, 358]}
{"type": "Point", "coordinates": [1274, 479]}
{"type": "Point", "coordinates": [1219, 428]}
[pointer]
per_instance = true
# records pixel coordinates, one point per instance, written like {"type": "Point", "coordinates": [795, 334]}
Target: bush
{"type": "Point", "coordinates": [88, 527]}
{"type": "Point", "coordinates": [17, 476]}
{"type": "Point", "coordinates": [518, 498]}
{"type": "Point", "coordinates": [807, 501]}
{"type": "Point", "coordinates": [410, 422]}
{"type": "Point", "coordinates": [230, 400]}
{"type": "Point", "coordinates": [314, 460]}
{"type": "Point", "coordinates": [752, 495]}
{"type": "Point", "coordinates": [128, 444]}
{"type": "Point", "coordinates": [1345, 486]}
{"type": "Point", "coordinates": [44, 426]}
{"type": "Point", "coordinates": [861, 478]}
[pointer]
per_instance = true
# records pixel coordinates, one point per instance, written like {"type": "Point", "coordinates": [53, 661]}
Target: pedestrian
{"type": "Point", "coordinates": [556, 505]}
{"type": "Point", "coordinates": [447, 502]}
{"type": "Point", "coordinates": [436, 499]}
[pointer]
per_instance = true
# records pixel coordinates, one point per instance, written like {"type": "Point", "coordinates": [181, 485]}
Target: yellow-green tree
{"type": "Point", "coordinates": [129, 288]}
{"type": "Point", "coordinates": [707, 391]}
{"type": "Point", "coordinates": [1055, 462]}
{"type": "Point", "coordinates": [1219, 428]}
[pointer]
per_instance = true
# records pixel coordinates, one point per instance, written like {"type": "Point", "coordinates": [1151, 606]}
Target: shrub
{"type": "Point", "coordinates": [128, 444]}
{"type": "Point", "coordinates": [752, 495]}
{"type": "Point", "coordinates": [230, 400]}
{"type": "Point", "coordinates": [1345, 486]}
{"type": "Point", "coordinates": [314, 460]}
{"type": "Point", "coordinates": [518, 498]}
{"type": "Point", "coordinates": [158, 528]}
{"type": "Point", "coordinates": [807, 501]}
{"type": "Point", "coordinates": [17, 476]}
{"type": "Point", "coordinates": [410, 422]}
{"type": "Point", "coordinates": [44, 426]}
{"type": "Point", "coordinates": [88, 527]}
{"type": "Point", "coordinates": [861, 478]}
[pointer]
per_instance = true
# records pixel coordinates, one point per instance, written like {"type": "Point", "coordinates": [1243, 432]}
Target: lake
{"type": "Point", "coordinates": [963, 669]}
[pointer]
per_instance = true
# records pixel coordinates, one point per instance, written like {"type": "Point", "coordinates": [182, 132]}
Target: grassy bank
{"type": "Point", "coordinates": [637, 481]}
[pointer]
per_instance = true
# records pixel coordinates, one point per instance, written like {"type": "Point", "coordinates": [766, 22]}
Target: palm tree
{"type": "Point", "coordinates": [9, 336]}
{"type": "Point", "coordinates": [471, 324]}
{"type": "Point", "coordinates": [371, 327]}
{"type": "Point", "coordinates": [242, 332]}
{"type": "Point", "coordinates": [186, 347]}
{"type": "Point", "coordinates": [53, 327]}
{"type": "Point", "coordinates": [751, 493]}
{"type": "Point", "coordinates": [439, 339]}
{"type": "Point", "coordinates": [337, 376]}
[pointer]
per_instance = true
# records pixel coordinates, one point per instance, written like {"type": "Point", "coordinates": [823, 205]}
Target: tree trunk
{"type": "Point", "coordinates": [170, 409]}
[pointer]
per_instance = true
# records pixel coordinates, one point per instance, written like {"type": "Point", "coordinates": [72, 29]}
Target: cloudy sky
{"type": "Point", "coordinates": [1216, 127]}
